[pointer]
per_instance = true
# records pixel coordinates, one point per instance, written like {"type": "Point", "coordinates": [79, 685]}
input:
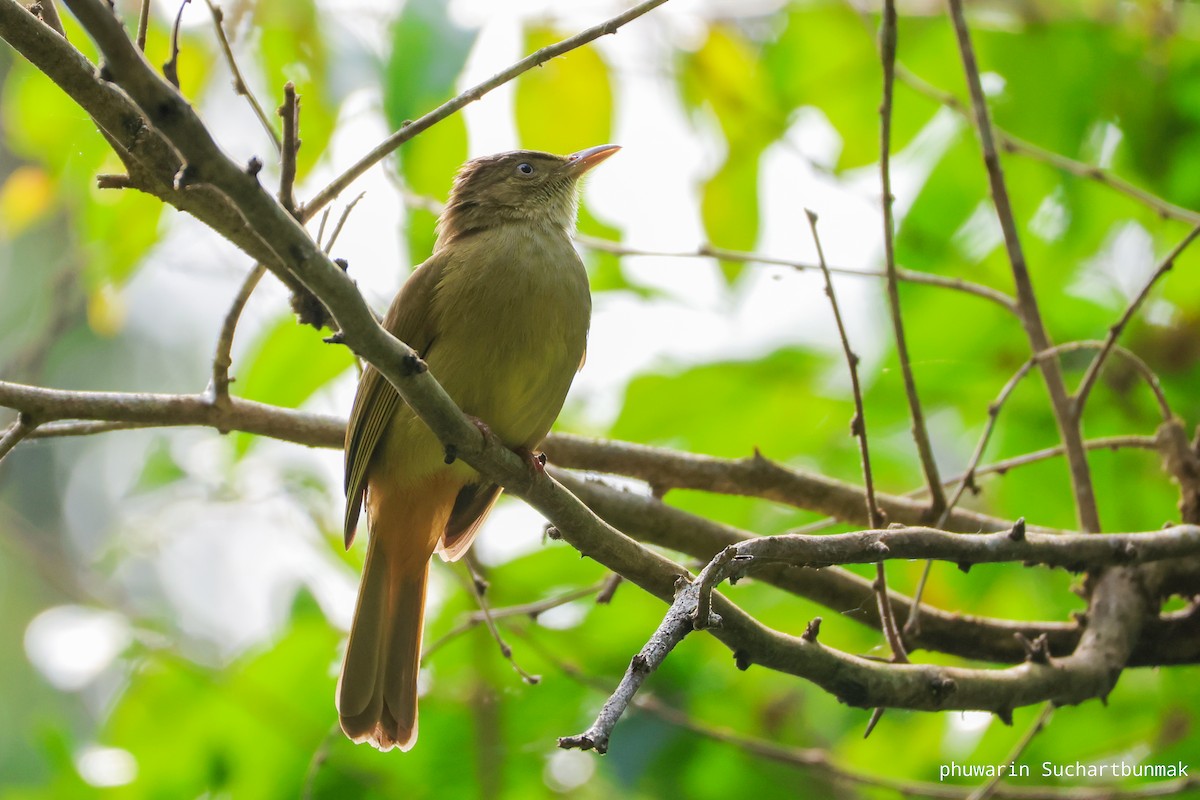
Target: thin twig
{"type": "Point", "coordinates": [887, 40]}
{"type": "Point", "coordinates": [530, 610]}
{"type": "Point", "coordinates": [611, 583]}
{"type": "Point", "coordinates": [723, 254]}
{"type": "Point", "coordinates": [989, 787]}
{"type": "Point", "coordinates": [222, 359]}
{"type": "Point", "coordinates": [858, 423]}
{"type": "Point", "coordinates": [21, 427]}
{"type": "Point", "coordinates": [996, 296]}
{"type": "Point", "coordinates": [995, 407]}
{"type": "Point", "coordinates": [408, 131]}
{"type": "Point", "coordinates": [1093, 370]}
{"type": "Point", "coordinates": [143, 25]}
{"type": "Point", "coordinates": [1027, 305]}
{"type": "Point", "coordinates": [475, 585]}
{"type": "Point", "coordinates": [688, 612]}
{"type": "Point", "coordinates": [289, 111]}
{"type": "Point", "coordinates": [1102, 443]}
{"type": "Point", "coordinates": [239, 82]}
{"type": "Point", "coordinates": [171, 67]}
{"type": "Point", "coordinates": [821, 761]}
{"type": "Point", "coordinates": [1016, 145]}
{"type": "Point", "coordinates": [337, 229]}
{"type": "Point", "coordinates": [858, 428]}
{"type": "Point", "coordinates": [321, 227]}
{"type": "Point", "coordinates": [967, 479]}
{"type": "Point", "coordinates": [49, 15]}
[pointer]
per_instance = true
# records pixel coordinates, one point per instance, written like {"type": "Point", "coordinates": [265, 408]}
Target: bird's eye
{"type": "Point", "coordinates": [525, 168]}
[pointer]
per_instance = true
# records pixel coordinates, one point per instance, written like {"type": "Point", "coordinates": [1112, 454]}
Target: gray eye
{"type": "Point", "coordinates": [525, 168]}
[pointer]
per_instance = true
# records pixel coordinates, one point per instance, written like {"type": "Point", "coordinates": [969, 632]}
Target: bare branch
{"type": "Point", "coordinates": [1014, 144]}
{"type": "Point", "coordinates": [990, 788]}
{"type": "Point", "coordinates": [887, 40]}
{"type": "Point", "coordinates": [222, 361]}
{"type": "Point", "coordinates": [290, 113]}
{"type": "Point", "coordinates": [49, 15]}
{"type": "Point", "coordinates": [536, 59]}
{"type": "Point", "coordinates": [143, 26]}
{"type": "Point", "coordinates": [337, 228]}
{"type": "Point", "coordinates": [858, 428]}
{"type": "Point", "coordinates": [690, 610]}
{"type": "Point", "coordinates": [756, 476]}
{"type": "Point", "coordinates": [1027, 305]}
{"type": "Point", "coordinates": [708, 251]}
{"type": "Point", "coordinates": [239, 83]}
{"type": "Point", "coordinates": [140, 410]}
{"type": "Point", "coordinates": [171, 68]}
{"type": "Point", "coordinates": [1093, 370]}
{"type": "Point", "coordinates": [21, 427]}
{"type": "Point", "coordinates": [1075, 551]}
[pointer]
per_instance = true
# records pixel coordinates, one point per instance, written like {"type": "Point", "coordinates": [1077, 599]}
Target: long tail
{"type": "Point", "coordinates": [377, 691]}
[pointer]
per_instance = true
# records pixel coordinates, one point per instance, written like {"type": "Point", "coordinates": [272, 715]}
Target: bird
{"type": "Point", "coordinates": [500, 314]}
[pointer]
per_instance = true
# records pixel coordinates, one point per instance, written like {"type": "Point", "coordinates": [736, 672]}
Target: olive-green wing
{"type": "Point", "coordinates": [410, 320]}
{"type": "Point", "coordinates": [471, 507]}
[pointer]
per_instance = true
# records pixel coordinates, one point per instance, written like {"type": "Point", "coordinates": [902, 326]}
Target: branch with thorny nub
{"type": "Point", "coordinates": [151, 124]}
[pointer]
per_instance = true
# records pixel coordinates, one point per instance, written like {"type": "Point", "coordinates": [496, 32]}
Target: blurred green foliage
{"type": "Point", "coordinates": [1103, 82]}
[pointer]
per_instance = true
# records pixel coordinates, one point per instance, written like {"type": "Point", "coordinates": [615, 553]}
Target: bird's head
{"type": "Point", "coordinates": [518, 187]}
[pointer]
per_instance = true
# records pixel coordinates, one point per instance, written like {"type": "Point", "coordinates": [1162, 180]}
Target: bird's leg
{"type": "Point", "coordinates": [536, 460]}
{"type": "Point", "coordinates": [484, 430]}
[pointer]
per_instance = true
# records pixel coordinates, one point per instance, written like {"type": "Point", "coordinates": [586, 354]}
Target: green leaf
{"type": "Point", "coordinates": [729, 208]}
{"type": "Point", "coordinates": [292, 47]}
{"type": "Point", "coordinates": [824, 57]}
{"type": "Point", "coordinates": [286, 365]}
{"type": "Point", "coordinates": [248, 731]}
{"type": "Point", "coordinates": [119, 228]}
{"type": "Point", "coordinates": [576, 86]}
{"type": "Point", "coordinates": [160, 467]}
{"type": "Point", "coordinates": [427, 54]}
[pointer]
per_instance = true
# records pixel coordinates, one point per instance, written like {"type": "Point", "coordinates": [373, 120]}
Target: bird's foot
{"type": "Point", "coordinates": [484, 431]}
{"type": "Point", "coordinates": [535, 459]}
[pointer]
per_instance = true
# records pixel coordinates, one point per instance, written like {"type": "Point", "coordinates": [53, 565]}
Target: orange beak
{"type": "Point", "coordinates": [584, 160]}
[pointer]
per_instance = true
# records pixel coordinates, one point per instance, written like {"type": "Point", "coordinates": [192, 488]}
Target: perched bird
{"type": "Point", "coordinates": [500, 314]}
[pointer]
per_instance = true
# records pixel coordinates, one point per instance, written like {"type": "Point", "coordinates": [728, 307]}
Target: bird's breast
{"type": "Point", "coordinates": [513, 311]}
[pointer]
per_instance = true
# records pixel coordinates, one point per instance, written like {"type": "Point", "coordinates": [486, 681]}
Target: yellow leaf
{"type": "Point", "coordinates": [24, 199]}
{"type": "Point", "coordinates": [106, 310]}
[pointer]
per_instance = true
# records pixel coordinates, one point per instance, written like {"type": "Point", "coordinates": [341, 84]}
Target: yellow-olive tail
{"type": "Point", "coordinates": [377, 691]}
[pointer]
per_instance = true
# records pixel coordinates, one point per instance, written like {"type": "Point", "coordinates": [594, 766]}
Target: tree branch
{"type": "Point", "coordinates": [1016, 145]}
{"type": "Point", "coordinates": [756, 476]}
{"type": "Point", "coordinates": [408, 131]}
{"type": "Point", "coordinates": [1093, 370]}
{"type": "Point", "coordinates": [1027, 305]}
{"type": "Point", "coordinates": [239, 83]}
{"type": "Point", "coordinates": [887, 42]}
{"type": "Point", "coordinates": [858, 429]}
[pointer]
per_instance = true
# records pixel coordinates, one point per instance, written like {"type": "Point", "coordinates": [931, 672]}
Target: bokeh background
{"type": "Point", "coordinates": [174, 600]}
